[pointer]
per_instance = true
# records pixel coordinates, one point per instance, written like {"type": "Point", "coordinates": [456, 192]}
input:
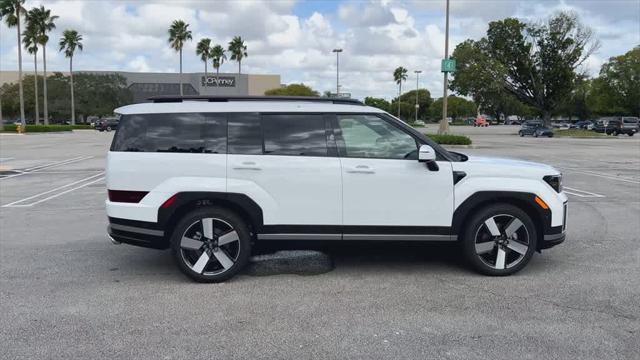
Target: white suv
{"type": "Point", "coordinates": [208, 176]}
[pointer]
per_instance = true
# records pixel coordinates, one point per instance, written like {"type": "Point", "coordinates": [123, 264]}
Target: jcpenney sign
{"type": "Point", "coordinates": [222, 81]}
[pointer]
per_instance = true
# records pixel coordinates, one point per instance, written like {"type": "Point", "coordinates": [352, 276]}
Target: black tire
{"type": "Point", "coordinates": [239, 254]}
{"type": "Point", "coordinates": [630, 134]}
{"type": "Point", "coordinates": [535, 134]}
{"type": "Point", "coordinates": [477, 229]}
{"type": "Point", "coordinates": [520, 133]}
{"type": "Point", "coordinates": [108, 128]}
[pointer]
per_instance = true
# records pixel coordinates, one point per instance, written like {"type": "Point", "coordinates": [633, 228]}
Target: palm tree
{"type": "Point", "coordinates": [203, 49]}
{"type": "Point", "coordinates": [219, 57]}
{"type": "Point", "coordinates": [12, 10]}
{"type": "Point", "coordinates": [69, 42]}
{"type": "Point", "coordinates": [45, 23]}
{"type": "Point", "coordinates": [238, 51]}
{"type": "Point", "coordinates": [178, 35]}
{"type": "Point", "coordinates": [30, 40]}
{"type": "Point", "coordinates": [399, 75]}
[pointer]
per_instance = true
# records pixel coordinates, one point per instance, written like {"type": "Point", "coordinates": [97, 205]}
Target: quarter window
{"type": "Point", "coordinates": [294, 134]}
{"type": "Point", "coordinates": [368, 136]}
{"type": "Point", "coordinates": [176, 132]}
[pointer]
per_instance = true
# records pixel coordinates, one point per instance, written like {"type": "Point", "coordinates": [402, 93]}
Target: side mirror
{"type": "Point", "coordinates": [427, 155]}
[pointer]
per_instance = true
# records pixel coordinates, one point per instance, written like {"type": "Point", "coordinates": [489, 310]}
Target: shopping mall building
{"type": "Point", "coordinates": [145, 85]}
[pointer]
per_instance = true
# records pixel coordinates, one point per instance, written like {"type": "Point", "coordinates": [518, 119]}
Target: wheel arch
{"type": "Point", "coordinates": [523, 200]}
{"type": "Point", "coordinates": [185, 202]}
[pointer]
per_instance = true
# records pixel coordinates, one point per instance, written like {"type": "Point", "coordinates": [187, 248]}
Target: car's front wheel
{"type": "Point", "coordinates": [211, 244]}
{"type": "Point", "coordinates": [520, 133]}
{"type": "Point", "coordinates": [500, 240]}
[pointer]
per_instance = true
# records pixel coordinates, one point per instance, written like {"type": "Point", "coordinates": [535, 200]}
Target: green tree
{"type": "Point", "coordinates": [379, 103]}
{"type": "Point", "coordinates": [45, 22]}
{"type": "Point", "coordinates": [399, 75]}
{"type": "Point", "coordinates": [536, 63]}
{"type": "Point", "coordinates": [238, 51]}
{"type": "Point", "coordinates": [203, 49]}
{"type": "Point", "coordinates": [69, 42]}
{"type": "Point", "coordinates": [30, 40]}
{"type": "Point", "coordinates": [97, 94]}
{"type": "Point", "coordinates": [424, 101]}
{"type": "Point", "coordinates": [219, 57]}
{"type": "Point", "coordinates": [618, 85]}
{"type": "Point", "coordinates": [12, 11]}
{"type": "Point", "coordinates": [179, 34]}
{"type": "Point", "coordinates": [292, 90]}
{"type": "Point", "coordinates": [457, 108]}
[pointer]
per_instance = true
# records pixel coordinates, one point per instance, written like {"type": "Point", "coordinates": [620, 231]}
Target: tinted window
{"type": "Point", "coordinates": [294, 134]}
{"type": "Point", "coordinates": [245, 134]}
{"type": "Point", "coordinates": [369, 136]}
{"type": "Point", "coordinates": [188, 132]}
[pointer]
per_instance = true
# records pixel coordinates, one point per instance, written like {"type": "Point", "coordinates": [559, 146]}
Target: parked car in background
{"type": "Point", "coordinates": [560, 125]}
{"type": "Point", "coordinates": [107, 124]}
{"type": "Point", "coordinates": [480, 122]}
{"type": "Point", "coordinates": [513, 122]}
{"type": "Point", "coordinates": [584, 124]}
{"type": "Point", "coordinates": [630, 125]}
{"type": "Point", "coordinates": [543, 131]}
{"type": "Point", "coordinates": [529, 127]}
{"type": "Point", "coordinates": [616, 126]}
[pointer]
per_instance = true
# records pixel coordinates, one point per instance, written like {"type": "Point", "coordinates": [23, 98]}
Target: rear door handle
{"type": "Point", "coordinates": [361, 169]}
{"type": "Point", "coordinates": [247, 165]}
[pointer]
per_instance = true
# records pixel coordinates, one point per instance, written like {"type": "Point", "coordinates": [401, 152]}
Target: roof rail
{"type": "Point", "coordinates": [222, 98]}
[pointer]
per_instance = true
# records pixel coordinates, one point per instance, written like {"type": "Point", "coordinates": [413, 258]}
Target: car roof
{"type": "Point", "coordinates": [188, 106]}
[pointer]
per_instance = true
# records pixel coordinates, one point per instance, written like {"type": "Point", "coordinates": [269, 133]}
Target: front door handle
{"type": "Point", "coordinates": [361, 169]}
{"type": "Point", "coordinates": [247, 165]}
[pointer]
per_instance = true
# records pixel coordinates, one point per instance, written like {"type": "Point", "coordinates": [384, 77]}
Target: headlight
{"type": "Point", "coordinates": [555, 181]}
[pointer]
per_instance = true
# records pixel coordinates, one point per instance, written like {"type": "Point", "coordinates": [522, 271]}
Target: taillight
{"type": "Point", "coordinates": [126, 196]}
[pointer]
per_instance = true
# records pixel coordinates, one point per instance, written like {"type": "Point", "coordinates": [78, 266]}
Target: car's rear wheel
{"type": "Point", "coordinates": [630, 134]}
{"type": "Point", "coordinates": [211, 244]}
{"type": "Point", "coordinates": [500, 240]}
{"type": "Point", "coordinates": [108, 128]}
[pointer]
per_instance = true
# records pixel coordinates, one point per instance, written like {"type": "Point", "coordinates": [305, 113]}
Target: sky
{"type": "Point", "coordinates": [295, 38]}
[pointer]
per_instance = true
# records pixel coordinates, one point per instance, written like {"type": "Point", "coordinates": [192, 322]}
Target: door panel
{"type": "Point", "coordinates": [396, 193]}
{"type": "Point", "coordinates": [383, 184]}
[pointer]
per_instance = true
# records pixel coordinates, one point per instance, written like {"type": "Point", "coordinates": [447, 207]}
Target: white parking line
{"type": "Point", "coordinates": [603, 175]}
{"type": "Point", "coordinates": [47, 166]}
{"type": "Point", "coordinates": [17, 203]}
{"type": "Point", "coordinates": [581, 193]}
{"type": "Point", "coordinates": [62, 193]}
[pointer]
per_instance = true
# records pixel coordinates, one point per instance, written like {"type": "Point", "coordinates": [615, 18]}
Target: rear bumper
{"type": "Point", "coordinates": [138, 233]}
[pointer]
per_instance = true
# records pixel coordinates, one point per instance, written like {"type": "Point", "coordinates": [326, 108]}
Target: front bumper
{"type": "Point", "coordinates": [555, 235]}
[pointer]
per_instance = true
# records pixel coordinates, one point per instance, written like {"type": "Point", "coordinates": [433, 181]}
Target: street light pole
{"type": "Point", "coordinates": [444, 124]}
{"type": "Point", "coordinates": [417, 87]}
{"type": "Point", "coordinates": [337, 51]}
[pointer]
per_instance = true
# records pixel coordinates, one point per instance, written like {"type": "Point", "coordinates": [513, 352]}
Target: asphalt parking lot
{"type": "Point", "coordinates": [67, 292]}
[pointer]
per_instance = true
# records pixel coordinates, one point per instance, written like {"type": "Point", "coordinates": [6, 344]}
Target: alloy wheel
{"type": "Point", "coordinates": [210, 246]}
{"type": "Point", "coordinates": [502, 241]}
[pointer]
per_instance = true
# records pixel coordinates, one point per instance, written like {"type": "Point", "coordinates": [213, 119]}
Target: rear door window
{"type": "Point", "coordinates": [295, 134]}
{"type": "Point", "coordinates": [178, 132]}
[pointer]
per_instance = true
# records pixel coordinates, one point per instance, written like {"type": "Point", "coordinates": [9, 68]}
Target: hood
{"type": "Point", "coordinates": [494, 166]}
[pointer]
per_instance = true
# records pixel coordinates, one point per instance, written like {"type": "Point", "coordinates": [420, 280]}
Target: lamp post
{"type": "Point", "coordinates": [444, 124]}
{"type": "Point", "coordinates": [337, 51]}
{"type": "Point", "coordinates": [417, 87]}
